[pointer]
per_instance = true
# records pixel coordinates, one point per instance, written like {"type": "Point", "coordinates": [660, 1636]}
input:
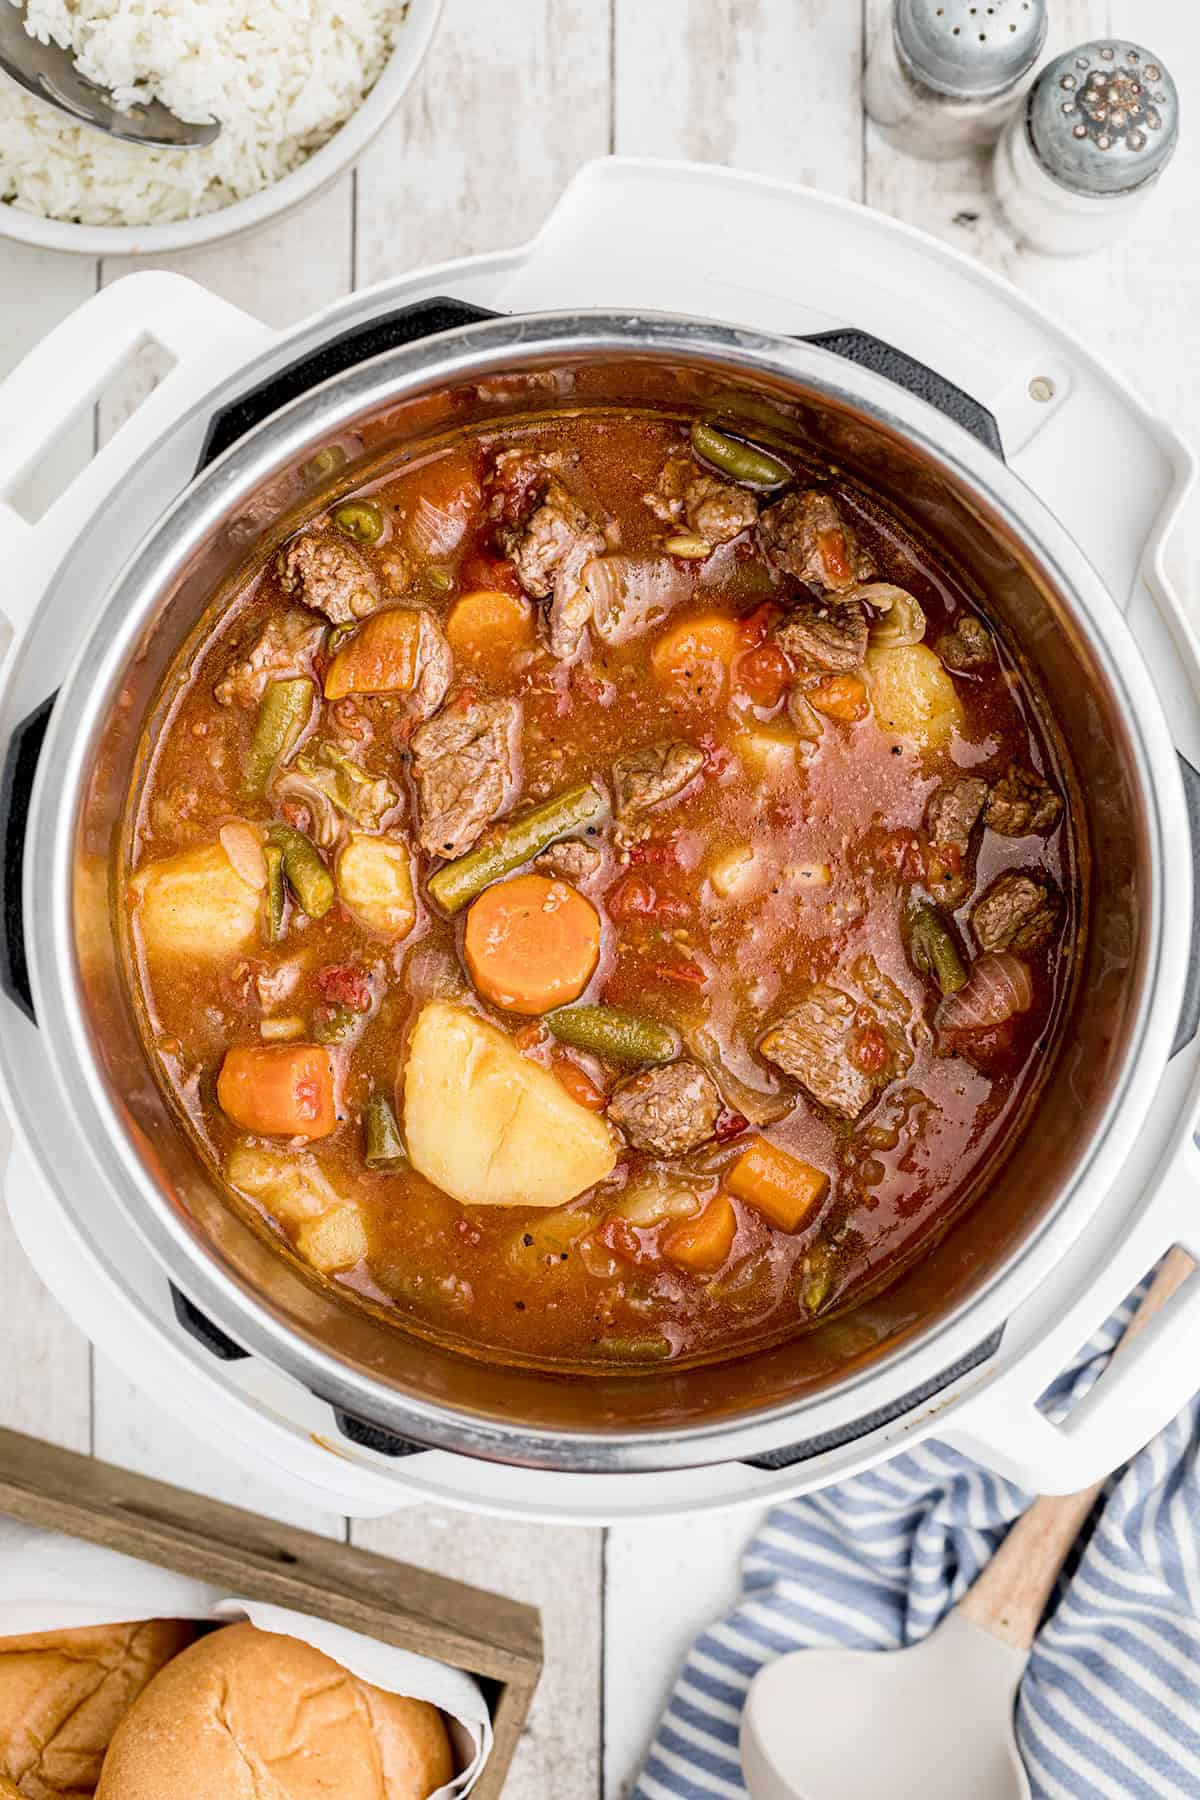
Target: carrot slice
{"type": "Point", "coordinates": [531, 943]}
{"type": "Point", "coordinates": [381, 657]}
{"type": "Point", "coordinates": [278, 1090]}
{"type": "Point", "coordinates": [696, 656]}
{"type": "Point", "coordinates": [489, 626]}
{"type": "Point", "coordinates": [842, 697]}
{"type": "Point", "coordinates": [704, 1242]}
{"type": "Point", "coordinates": [785, 1190]}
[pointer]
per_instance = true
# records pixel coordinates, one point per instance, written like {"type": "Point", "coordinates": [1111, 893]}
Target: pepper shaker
{"type": "Point", "coordinates": [1099, 127]}
{"type": "Point", "coordinates": [944, 76]}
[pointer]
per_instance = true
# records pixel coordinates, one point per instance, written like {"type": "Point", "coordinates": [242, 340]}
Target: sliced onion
{"type": "Point", "coordinates": [435, 531]}
{"type": "Point", "coordinates": [761, 1104]}
{"type": "Point", "coordinates": [1000, 987]}
{"type": "Point", "coordinates": [631, 593]}
{"type": "Point", "coordinates": [243, 845]}
{"type": "Point", "coordinates": [293, 785]}
{"type": "Point", "coordinates": [903, 620]}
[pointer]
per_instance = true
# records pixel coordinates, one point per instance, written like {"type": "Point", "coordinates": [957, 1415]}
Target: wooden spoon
{"type": "Point", "coordinates": [935, 1722]}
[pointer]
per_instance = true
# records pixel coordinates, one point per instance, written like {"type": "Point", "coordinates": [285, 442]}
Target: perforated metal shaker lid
{"type": "Point", "coordinates": [970, 49]}
{"type": "Point", "coordinates": [1104, 118]}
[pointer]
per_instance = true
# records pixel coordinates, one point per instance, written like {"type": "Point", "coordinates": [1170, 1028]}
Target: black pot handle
{"type": "Point", "coordinates": [425, 318]}
{"type": "Point", "coordinates": [16, 786]}
{"type": "Point", "coordinates": [905, 371]}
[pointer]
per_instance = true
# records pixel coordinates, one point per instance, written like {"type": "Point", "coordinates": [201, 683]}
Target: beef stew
{"type": "Point", "coordinates": [603, 895]}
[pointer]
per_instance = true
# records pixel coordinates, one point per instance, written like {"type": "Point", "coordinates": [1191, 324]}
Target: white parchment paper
{"type": "Point", "coordinates": [54, 1583]}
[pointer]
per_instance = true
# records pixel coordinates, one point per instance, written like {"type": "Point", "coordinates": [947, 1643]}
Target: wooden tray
{"type": "Point", "coordinates": [495, 1639]}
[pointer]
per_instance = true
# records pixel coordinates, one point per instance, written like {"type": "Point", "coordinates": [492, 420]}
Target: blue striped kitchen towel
{"type": "Point", "coordinates": [1110, 1704]}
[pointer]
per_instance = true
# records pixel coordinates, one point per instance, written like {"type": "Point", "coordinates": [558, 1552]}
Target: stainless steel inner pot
{"type": "Point", "coordinates": [1031, 578]}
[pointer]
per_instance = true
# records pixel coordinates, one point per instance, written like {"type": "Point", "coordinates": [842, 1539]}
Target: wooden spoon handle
{"type": "Point", "coordinates": [1010, 1595]}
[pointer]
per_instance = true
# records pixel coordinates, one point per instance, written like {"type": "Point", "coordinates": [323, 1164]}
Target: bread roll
{"type": "Point", "coordinates": [63, 1694]}
{"type": "Point", "coordinates": [245, 1713]}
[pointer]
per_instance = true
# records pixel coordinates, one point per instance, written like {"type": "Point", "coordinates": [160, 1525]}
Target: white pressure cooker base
{"type": "Point", "coordinates": [635, 235]}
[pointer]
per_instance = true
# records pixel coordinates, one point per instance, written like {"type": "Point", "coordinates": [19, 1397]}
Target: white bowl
{"type": "Point", "coordinates": [323, 166]}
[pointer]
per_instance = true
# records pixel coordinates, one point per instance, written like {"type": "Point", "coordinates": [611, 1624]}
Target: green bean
{"type": "Point", "coordinates": [361, 520]}
{"type": "Point", "coordinates": [383, 1146]}
{"type": "Point", "coordinates": [933, 949]}
{"type": "Point", "coordinates": [276, 901]}
{"type": "Point", "coordinates": [458, 882]}
{"type": "Point", "coordinates": [283, 712]}
{"type": "Point", "coordinates": [440, 580]}
{"type": "Point", "coordinates": [338, 635]}
{"type": "Point", "coordinates": [652, 1347]}
{"type": "Point", "coordinates": [741, 462]}
{"type": "Point", "coordinates": [620, 1037]}
{"type": "Point", "coordinates": [306, 873]}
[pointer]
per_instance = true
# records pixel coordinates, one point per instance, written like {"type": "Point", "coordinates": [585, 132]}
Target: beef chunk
{"type": "Point", "coordinates": [329, 575]}
{"type": "Point", "coordinates": [433, 669]}
{"type": "Point", "coordinates": [667, 1111]}
{"type": "Point", "coordinates": [954, 809]}
{"type": "Point", "coordinates": [573, 860]}
{"type": "Point", "coordinates": [549, 552]}
{"type": "Point", "coordinates": [716, 510]}
{"type": "Point", "coordinates": [712, 509]}
{"type": "Point", "coordinates": [804, 535]}
{"type": "Point", "coordinates": [967, 647]}
{"type": "Point", "coordinates": [1021, 803]}
{"type": "Point", "coordinates": [646, 777]}
{"type": "Point", "coordinates": [284, 650]}
{"type": "Point", "coordinates": [950, 817]}
{"type": "Point", "coordinates": [1017, 913]}
{"type": "Point", "coordinates": [812, 1045]}
{"type": "Point", "coordinates": [464, 763]}
{"type": "Point", "coordinates": [820, 634]}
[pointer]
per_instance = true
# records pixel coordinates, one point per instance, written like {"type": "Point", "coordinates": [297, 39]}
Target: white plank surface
{"type": "Point", "coordinates": [512, 100]}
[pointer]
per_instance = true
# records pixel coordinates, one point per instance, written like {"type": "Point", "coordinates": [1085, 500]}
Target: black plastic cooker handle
{"type": "Point", "coordinates": [917, 377]}
{"type": "Point", "coordinates": [425, 318]}
{"type": "Point", "coordinates": [16, 787]}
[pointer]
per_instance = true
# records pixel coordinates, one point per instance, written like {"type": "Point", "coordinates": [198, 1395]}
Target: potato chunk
{"type": "Point", "coordinates": [194, 906]}
{"type": "Point", "coordinates": [296, 1192]}
{"type": "Point", "coordinates": [374, 878]}
{"type": "Point", "coordinates": [488, 1126]}
{"type": "Point", "coordinates": [912, 694]}
{"type": "Point", "coordinates": [337, 1240]}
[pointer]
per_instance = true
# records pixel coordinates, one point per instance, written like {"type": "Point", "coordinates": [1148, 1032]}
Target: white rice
{"type": "Point", "coordinates": [280, 75]}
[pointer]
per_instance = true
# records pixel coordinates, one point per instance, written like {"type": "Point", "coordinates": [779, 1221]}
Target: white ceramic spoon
{"type": "Point", "coordinates": [935, 1722]}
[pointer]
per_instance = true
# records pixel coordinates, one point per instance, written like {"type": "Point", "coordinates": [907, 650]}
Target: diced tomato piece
{"type": "Point", "coordinates": [831, 546]}
{"type": "Point", "coordinates": [764, 674]}
{"type": "Point", "coordinates": [901, 853]}
{"type": "Point", "coordinates": [730, 1125]}
{"type": "Point", "coordinates": [652, 852]}
{"type": "Point", "coordinates": [753, 627]}
{"type": "Point", "coordinates": [345, 984]}
{"type": "Point", "coordinates": [619, 1236]}
{"type": "Point", "coordinates": [686, 974]}
{"type": "Point", "coordinates": [496, 573]}
{"type": "Point", "coordinates": [869, 1049]}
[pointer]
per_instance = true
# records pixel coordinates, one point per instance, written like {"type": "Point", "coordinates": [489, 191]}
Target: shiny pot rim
{"type": "Point", "coordinates": [492, 348]}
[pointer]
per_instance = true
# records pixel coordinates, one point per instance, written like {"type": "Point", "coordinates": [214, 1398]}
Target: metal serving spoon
{"type": "Point", "coordinates": [934, 1722]}
{"type": "Point", "coordinates": [48, 73]}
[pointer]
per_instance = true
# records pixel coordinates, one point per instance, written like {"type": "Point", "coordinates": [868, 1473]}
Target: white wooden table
{"type": "Point", "coordinates": [514, 97]}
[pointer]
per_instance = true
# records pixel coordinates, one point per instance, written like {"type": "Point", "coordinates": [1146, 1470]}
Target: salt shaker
{"type": "Point", "coordinates": [1098, 129]}
{"type": "Point", "coordinates": [944, 76]}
